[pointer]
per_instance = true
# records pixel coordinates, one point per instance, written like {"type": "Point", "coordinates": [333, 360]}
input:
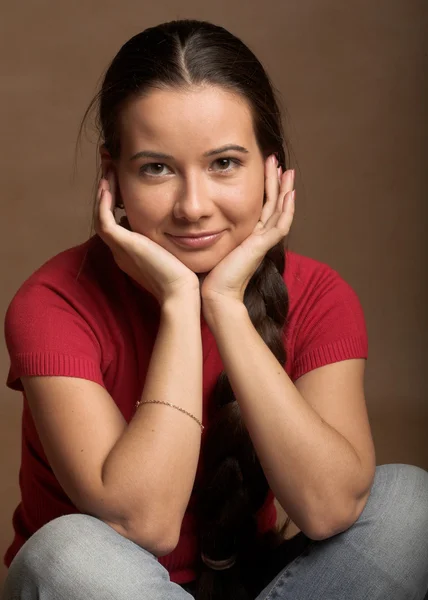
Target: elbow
{"type": "Point", "coordinates": [156, 541]}
{"type": "Point", "coordinates": [159, 545]}
{"type": "Point", "coordinates": [322, 529]}
{"type": "Point", "coordinates": [328, 526]}
{"type": "Point", "coordinates": [318, 533]}
{"type": "Point", "coordinates": [160, 541]}
{"type": "Point", "coordinates": [167, 543]}
{"type": "Point", "coordinates": [163, 546]}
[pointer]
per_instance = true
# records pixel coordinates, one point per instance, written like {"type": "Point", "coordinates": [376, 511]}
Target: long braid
{"type": "Point", "coordinates": [234, 486]}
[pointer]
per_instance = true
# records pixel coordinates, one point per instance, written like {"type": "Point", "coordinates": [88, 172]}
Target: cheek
{"type": "Point", "coordinates": [248, 202]}
{"type": "Point", "coordinates": [142, 208]}
{"type": "Point", "coordinates": [145, 217]}
{"type": "Point", "coordinates": [146, 210]}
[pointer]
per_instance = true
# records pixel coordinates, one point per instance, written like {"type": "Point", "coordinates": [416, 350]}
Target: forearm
{"type": "Point", "coordinates": [153, 465]}
{"type": "Point", "coordinates": [311, 468]}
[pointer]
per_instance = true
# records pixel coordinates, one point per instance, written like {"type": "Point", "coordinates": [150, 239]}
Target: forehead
{"type": "Point", "coordinates": [202, 118]}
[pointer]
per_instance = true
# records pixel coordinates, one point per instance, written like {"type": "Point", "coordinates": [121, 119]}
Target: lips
{"type": "Point", "coordinates": [196, 235]}
{"type": "Point", "coordinates": [196, 242]}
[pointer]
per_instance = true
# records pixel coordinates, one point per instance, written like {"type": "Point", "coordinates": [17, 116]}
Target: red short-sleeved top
{"type": "Point", "coordinates": [79, 315]}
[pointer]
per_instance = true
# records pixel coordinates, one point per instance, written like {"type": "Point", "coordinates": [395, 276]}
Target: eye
{"type": "Point", "coordinates": [145, 171]}
{"type": "Point", "coordinates": [155, 169]}
{"type": "Point", "coordinates": [236, 163]}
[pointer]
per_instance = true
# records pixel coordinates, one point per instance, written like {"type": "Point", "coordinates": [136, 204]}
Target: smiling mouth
{"type": "Point", "coordinates": [196, 242]}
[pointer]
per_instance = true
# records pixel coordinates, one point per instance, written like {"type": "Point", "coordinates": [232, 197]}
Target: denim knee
{"type": "Point", "coordinates": [394, 521]}
{"type": "Point", "coordinates": [78, 556]}
{"type": "Point", "coordinates": [399, 498]}
{"type": "Point", "coordinates": [384, 554]}
{"type": "Point", "coordinates": [37, 559]}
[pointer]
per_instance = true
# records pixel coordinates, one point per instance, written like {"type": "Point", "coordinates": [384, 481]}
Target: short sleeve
{"type": "Point", "coordinates": [46, 334]}
{"type": "Point", "coordinates": [332, 325]}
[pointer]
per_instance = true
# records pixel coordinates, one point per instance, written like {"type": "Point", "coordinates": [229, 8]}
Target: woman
{"type": "Point", "coordinates": [173, 386]}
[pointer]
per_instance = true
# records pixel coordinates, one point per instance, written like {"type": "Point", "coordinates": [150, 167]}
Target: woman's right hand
{"type": "Point", "coordinates": [148, 263]}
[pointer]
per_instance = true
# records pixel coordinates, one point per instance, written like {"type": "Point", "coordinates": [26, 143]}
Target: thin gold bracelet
{"type": "Point", "coordinates": [173, 406]}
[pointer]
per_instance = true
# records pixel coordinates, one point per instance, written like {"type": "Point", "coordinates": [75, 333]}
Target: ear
{"type": "Point", "coordinates": [106, 160]}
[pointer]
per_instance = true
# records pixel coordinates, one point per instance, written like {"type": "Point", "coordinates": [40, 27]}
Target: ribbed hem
{"type": "Point", "coordinates": [52, 363]}
{"type": "Point", "coordinates": [354, 347]}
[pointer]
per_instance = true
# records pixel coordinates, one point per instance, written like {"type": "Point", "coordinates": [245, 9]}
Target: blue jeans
{"type": "Point", "coordinates": [384, 555]}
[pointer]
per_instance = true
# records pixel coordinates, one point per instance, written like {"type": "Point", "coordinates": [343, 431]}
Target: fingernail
{"type": "Point", "coordinates": [273, 159]}
{"type": "Point", "coordinates": [279, 169]}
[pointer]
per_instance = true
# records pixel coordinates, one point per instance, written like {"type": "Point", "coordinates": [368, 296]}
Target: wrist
{"type": "Point", "coordinates": [189, 303]}
{"type": "Point", "coordinates": [217, 309]}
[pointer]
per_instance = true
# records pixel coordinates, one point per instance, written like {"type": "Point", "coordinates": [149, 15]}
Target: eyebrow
{"type": "Point", "coordinates": [162, 156]}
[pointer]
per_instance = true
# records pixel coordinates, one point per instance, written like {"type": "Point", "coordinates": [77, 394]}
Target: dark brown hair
{"type": "Point", "coordinates": [177, 55]}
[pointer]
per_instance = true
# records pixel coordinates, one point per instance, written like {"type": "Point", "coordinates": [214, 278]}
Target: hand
{"type": "Point", "coordinates": [148, 263]}
{"type": "Point", "coordinates": [230, 277]}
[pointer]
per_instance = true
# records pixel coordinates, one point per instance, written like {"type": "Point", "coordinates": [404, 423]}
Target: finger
{"type": "Point", "coordinates": [288, 181]}
{"type": "Point", "coordinates": [96, 217]}
{"type": "Point", "coordinates": [280, 219]}
{"type": "Point", "coordinates": [108, 229]}
{"type": "Point", "coordinates": [106, 220]}
{"type": "Point", "coordinates": [286, 218]}
{"type": "Point", "coordinates": [271, 189]}
{"type": "Point", "coordinates": [286, 185]}
{"type": "Point", "coordinates": [111, 179]}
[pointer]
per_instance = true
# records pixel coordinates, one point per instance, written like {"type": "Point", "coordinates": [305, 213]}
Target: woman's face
{"type": "Point", "coordinates": [189, 191]}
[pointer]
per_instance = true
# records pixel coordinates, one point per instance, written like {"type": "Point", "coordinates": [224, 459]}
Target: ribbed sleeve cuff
{"type": "Point", "coordinates": [52, 363]}
{"type": "Point", "coordinates": [354, 347]}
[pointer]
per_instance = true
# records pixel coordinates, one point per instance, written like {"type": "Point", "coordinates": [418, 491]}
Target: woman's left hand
{"type": "Point", "coordinates": [230, 277]}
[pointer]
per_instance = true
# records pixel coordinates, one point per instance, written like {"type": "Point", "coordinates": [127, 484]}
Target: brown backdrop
{"type": "Point", "coordinates": [352, 79]}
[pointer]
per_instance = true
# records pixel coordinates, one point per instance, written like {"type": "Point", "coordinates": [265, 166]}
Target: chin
{"type": "Point", "coordinates": [201, 265]}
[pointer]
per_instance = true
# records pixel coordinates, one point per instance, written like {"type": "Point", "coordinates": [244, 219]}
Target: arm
{"type": "Point", "coordinates": [319, 477]}
{"type": "Point", "coordinates": [157, 457]}
{"type": "Point", "coordinates": [138, 477]}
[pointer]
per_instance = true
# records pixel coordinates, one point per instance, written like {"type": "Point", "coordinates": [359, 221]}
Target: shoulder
{"type": "Point", "coordinates": [63, 294]}
{"type": "Point", "coordinates": [73, 275]}
{"type": "Point", "coordinates": [54, 322]}
{"type": "Point", "coordinates": [61, 270]}
{"type": "Point", "coordinates": [326, 321]}
{"type": "Point", "coordinates": [312, 283]}
{"type": "Point", "coordinates": [305, 274]}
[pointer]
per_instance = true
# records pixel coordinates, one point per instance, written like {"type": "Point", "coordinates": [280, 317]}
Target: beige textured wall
{"type": "Point", "coordinates": [352, 77]}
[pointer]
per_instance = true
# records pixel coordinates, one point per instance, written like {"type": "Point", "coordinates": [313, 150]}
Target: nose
{"type": "Point", "coordinates": [192, 202]}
